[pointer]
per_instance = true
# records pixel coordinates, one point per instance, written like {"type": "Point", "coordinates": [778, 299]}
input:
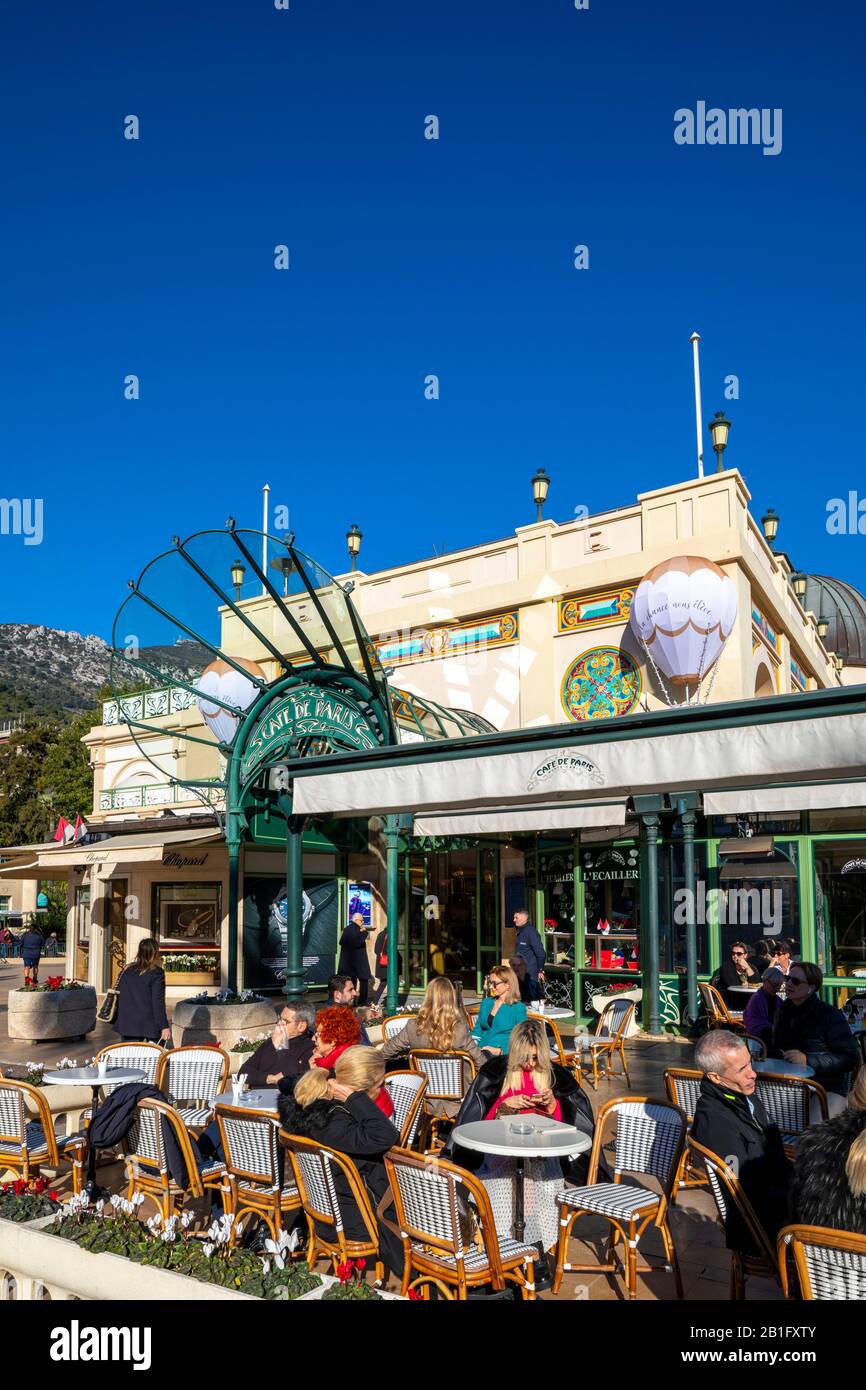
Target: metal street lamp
{"type": "Point", "coordinates": [719, 427]}
{"type": "Point", "coordinates": [769, 526]}
{"type": "Point", "coordinates": [353, 541]}
{"type": "Point", "coordinates": [839, 660]}
{"type": "Point", "coordinates": [540, 488]}
{"type": "Point", "coordinates": [798, 584]}
{"type": "Point", "coordinates": [823, 625]}
{"type": "Point", "coordinates": [238, 573]}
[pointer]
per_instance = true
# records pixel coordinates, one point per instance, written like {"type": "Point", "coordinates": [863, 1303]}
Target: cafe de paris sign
{"type": "Point", "coordinates": [307, 711]}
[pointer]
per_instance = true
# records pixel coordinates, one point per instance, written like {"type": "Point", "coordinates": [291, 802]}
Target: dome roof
{"type": "Point", "coordinates": [845, 609]}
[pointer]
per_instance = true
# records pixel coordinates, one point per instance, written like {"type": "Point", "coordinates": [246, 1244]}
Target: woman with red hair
{"type": "Point", "coordinates": [336, 1030]}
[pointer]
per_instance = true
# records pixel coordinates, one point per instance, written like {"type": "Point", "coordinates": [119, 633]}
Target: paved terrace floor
{"type": "Point", "coordinates": [704, 1261]}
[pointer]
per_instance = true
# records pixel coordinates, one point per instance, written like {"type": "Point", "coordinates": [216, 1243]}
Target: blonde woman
{"type": "Point", "coordinates": [439, 1026]}
{"type": "Point", "coordinates": [500, 1011]}
{"type": "Point", "coordinates": [828, 1187]}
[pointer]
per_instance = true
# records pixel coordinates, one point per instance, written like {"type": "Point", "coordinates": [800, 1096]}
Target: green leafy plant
{"type": "Point", "coordinates": [351, 1284]}
{"type": "Point", "coordinates": [27, 1201]}
{"type": "Point", "coordinates": [51, 985]}
{"type": "Point", "coordinates": [244, 1044]}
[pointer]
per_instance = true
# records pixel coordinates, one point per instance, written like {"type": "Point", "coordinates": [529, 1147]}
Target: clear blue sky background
{"type": "Point", "coordinates": [411, 257]}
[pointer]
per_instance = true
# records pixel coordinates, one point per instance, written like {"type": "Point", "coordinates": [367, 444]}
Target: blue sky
{"type": "Point", "coordinates": [410, 257]}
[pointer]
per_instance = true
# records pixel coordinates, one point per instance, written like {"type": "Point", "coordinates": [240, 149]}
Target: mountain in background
{"type": "Point", "coordinates": [44, 671]}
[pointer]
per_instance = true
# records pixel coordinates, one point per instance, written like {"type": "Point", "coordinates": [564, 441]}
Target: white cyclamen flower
{"type": "Point", "coordinates": [208, 1248]}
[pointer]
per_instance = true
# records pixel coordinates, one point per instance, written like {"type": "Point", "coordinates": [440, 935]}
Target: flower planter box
{"type": "Point", "coordinates": [199, 978]}
{"type": "Point", "coordinates": [37, 1259]}
{"type": "Point", "coordinates": [328, 1280]}
{"type": "Point", "coordinates": [47, 1015]}
{"type": "Point", "coordinates": [194, 1022]}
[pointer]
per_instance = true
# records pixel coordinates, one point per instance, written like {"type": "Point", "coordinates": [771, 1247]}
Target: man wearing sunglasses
{"type": "Point", "coordinates": [735, 971]}
{"type": "Point", "coordinates": [811, 1033]}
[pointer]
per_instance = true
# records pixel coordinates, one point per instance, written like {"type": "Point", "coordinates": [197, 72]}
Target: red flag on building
{"type": "Point", "coordinates": [80, 830]}
{"type": "Point", "coordinates": [64, 832]}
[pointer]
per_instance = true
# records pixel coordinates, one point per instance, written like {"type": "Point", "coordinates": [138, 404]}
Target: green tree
{"type": "Point", "coordinates": [26, 811]}
{"type": "Point", "coordinates": [66, 777]}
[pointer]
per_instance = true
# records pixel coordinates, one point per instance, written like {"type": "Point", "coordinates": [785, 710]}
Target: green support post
{"type": "Point", "coordinates": [294, 986]}
{"type": "Point", "coordinates": [688, 818]}
{"type": "Point", "coordinates": [233, 845]}
{"type": "Point", "coordinates": [392, 836]}
{"type": "Point", "coordinates": [650, 826]}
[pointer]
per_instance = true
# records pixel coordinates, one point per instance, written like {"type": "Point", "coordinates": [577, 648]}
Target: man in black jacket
{"type": "Point", "coordinates": [529, 945]}
{"type": "Point", "coordinates": [732, 1122]}
{"type": "Point", "coordinates": [286, 1054]}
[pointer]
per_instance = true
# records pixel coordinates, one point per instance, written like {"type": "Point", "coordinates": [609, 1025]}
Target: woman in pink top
{"type": "Point", "coordinates": [528, 1082]}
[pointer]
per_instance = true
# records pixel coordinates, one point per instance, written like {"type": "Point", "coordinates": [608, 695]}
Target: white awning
{"type": "Point", "coordinates": [156, 847]}
{"type": "Point", "coordinates": [820, 797]}
{"type": "Point", "coordinates": [796, 749]}
{"type": "Point", "coordinates": [556, 817]}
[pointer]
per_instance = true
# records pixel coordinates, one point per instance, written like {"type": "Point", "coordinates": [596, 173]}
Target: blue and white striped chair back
{"type": "Point", "coordinates": [613, 1016]}
{"type": "Point", "coordinates": [717, 1187]}
{"type": "Point", "coordinates": [444, 1073]}
{"type": "Point", "coordinates": [835, 1275]}
{"type": "Point", "coordinates": [394, 1025]}
{"type": "Point", "coordinates": [403, 1088]}
{"type": "Point", "coordinates": [145, 1138]}
{"type": "Point", "coordinates": [250, 1146]}
{"type": "Point", "coordinates": [687, 1090]}
{"type": "Point", "coordinates": [144, 1057]}
{"type": "Point", "coordinates": [430, 1203]}
{"type": "Point", "coordinates": [648, 1136]}
{"type": "Point", "coordinates": [13, 1114]}
{"type": "Point", "coordinates": [193, 1075]}
{"type": "Point", "coordinates": [316, 1172]}
{"type": "Point", "coordinates": [785, 1100]}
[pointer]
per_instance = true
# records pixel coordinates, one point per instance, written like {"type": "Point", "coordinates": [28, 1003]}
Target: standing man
{"type": "Point", "coordinates": [529, 945]}
{"type": "Point", "coordinates": [32, 943]}
{"type": "Point", "coordinates": [353, 955]}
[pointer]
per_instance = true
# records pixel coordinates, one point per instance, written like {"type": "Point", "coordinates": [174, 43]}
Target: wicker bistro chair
{"type": "Point", "coordinates": [191, 1077]}
{"type": "Point", "coordinates": [394, 1024]}
{"type": "Point", "coordinates": [314, 1166]}
{"type": "Point", "coordinates": [609, 1038]}
{"type": "Point", "coordinates": [449, 1076]}
{"type": "Point", "coordinates": [443, 1248]}
{"type": "Point", "coordinates": [757, 1047]}
{"type": "Point", "coordinates": [406, 1089]}
{"type": "Point", "coordinates": [147, 1166]}
{"type": "Point", "coordinates": [788, 1103]}
{"type": "Point", "coordinates": [30, 1144]}
{"type": "Point", "coordinates": [144, 1056]}
{"type": "Point", "coordinates": [251, 1151]}
{"type": "Point", "coordinates": [650, 1135]}
{"type": "Point", "coordinates": [718, 1013]}
{"type": "Point", "coordinates": [728, 1192]}
{"type": "Point", "coordinates": [830, 1265]}
{"type": "Point", "coordinates": [683, 1087]}
{"type": "Point", "coordinates": [559, 1052]}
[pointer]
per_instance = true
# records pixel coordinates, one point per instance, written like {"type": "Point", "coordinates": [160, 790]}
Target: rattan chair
{"type": "Point", "coordinates": [830, 1265]}
{"type": "Point", "coordinates": [650, 1135]}
{"type": "Point", "coordinates": [143, 1056]}
{"type": "Point", "coordinates": [728, 1192]}
{"type": "Point", "coordinates": [683, 1087]}
{"type": "Point", "coordinates": [394, 1024]}
{"type": "Point", "coordinates": [718, 1013]}
{"type": "Point", "coordinates": [443, 1248]}
{"type": "Point", "coordinates": [147, 1169]}
{"type": "Point", "coordinates": [788, 1103]}
{"type": "Point", "coordinates": [314, 1167]}
{"type": "Point", "coordinates": [757, 1047]}
{"type": "Point", "coordinates": [566, 1057]}
{"type": "Point", "coordinates": [449, 1076]}
{"type": "Point", "coordinates": [191, 1078]}
{"type": "Point", "coordinates": [406, 1089]}
{"type": "Point", "coordinates": [609, 1039]}
{"type": "Point", "coordinates": [249, 1140]}
{"type": "Point", "coordinates": [29, 1144]}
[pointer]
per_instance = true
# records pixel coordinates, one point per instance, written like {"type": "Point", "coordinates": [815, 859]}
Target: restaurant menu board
{"type": "Point", "coordinates": [265, 919]}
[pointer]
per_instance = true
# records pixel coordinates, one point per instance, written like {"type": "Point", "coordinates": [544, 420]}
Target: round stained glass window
{"type": "Point", "coordinates": [601, 683]}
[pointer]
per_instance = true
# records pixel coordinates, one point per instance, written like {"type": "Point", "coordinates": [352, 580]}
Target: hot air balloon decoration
{"type": "Point", "coordinates": [232, 688]}
{"type": "Point", "coordinates": [683, 613]}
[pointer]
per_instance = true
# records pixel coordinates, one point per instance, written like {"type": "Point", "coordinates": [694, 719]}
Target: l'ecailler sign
{"type": "Point", "coordinates": [306, 711]}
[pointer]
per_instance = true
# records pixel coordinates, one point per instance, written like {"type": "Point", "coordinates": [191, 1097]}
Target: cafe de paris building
{"type": "Point", "coordinates": [438, 744]}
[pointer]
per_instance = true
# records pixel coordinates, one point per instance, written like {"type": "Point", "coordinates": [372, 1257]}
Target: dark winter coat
{"type": "Point", "coordinates": [820, 1195]}
{"type": "Point", "coordinates": [530, 946]}
{"type": "Point", "coordinates": [141, 1003]}
{"type": "Point", "coordinates": [31, 946]}
{"type": "Point", "coordinates": [353, 954]}
{"type": "Point", "coordinates": [381, 946]}
{"type": "Point", "coordinates": [820, 1031]}
{"type": "Point", "coordinates": [267, 1061]}
{"type": "Point", "coordinates": [114, 1121]}
{"type": "Point", "coordinates": [728, 975]}
{"type": "Point", "coordinates": [751, 1144]}
{"type": "Point", "coordinates": [487, 1087]}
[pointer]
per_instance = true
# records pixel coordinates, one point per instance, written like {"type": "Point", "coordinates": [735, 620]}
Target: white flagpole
{"type": "Point", "coordinates": [266, 490]}
{"type": "Point", "coordinates": [699, 424]}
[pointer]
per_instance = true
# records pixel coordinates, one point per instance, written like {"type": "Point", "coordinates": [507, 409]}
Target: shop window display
{"type": "Point", "coordinates": [612, 907]}
{"type": "Point", "coordinates": [840, 908]}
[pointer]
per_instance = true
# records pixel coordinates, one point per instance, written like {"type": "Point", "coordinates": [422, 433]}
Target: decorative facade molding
{"type": "Point", "coordinates": [596, 610]}
{"type": "Point", "coordinates": [424, 644]}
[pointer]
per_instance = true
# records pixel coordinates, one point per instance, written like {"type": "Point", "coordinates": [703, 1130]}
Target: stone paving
{"type": "Point", "coordinates": [704, 1261]}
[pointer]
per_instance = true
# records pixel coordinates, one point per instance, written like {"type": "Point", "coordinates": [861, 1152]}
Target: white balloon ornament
{"type": "Point", "coordinates": [683, 612]}
{"type": "Point", "coordinates": [232, 688]}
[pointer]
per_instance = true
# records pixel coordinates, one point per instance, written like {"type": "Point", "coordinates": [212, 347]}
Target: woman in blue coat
{"type": "Point", "coordinates": [500, 1012]}
{"type": "Point", "coordinates": [141, 1012]}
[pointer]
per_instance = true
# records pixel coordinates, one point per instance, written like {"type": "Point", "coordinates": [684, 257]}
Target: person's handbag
{"type": "Point", "coordinates": [383, 959]}
{"type": "Point", "coordinates": [107, 1011]}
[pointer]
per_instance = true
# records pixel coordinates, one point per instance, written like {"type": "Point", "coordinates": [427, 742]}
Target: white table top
{"type": "Point", "coordinates": [550, 1011]}
{"type": "Point", "coordinates": [782, 1068]}
{"type": "Point", "coordinates": [264, 1099]}
{"type": "Point", "coordinates": [91, 1076]}
{"type": "Point", "coordinates": [550, 1138]}
{"type": "Point", "coordinates": [744, 989]}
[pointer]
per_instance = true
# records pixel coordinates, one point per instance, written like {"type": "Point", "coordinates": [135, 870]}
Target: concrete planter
{"type": "Point", "coordinates": [38, 1260]}
{"type": "Point", "coordinates": [224, 1023]}
{"type": "Point", "coordinates": [46, 1015]}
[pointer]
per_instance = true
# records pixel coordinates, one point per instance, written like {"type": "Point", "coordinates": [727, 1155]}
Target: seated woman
{"type": "Point", "coordinates": [526, 1082]}
{"type": "Point", "coordinates": [441, 1027]}
{"type": "Point", "coordinates": [828, 1187]}
{"type": "Point", "coordinates": [811, 1033]}
{"type": "Point", "coordinates": [343, 1113]}
{"type": "Point", "coordinates": [337, 1029]}
{"type": "Point", "coordinates": [760, 1011]}
{"type": "Point", "coordinates": [500, 1012]}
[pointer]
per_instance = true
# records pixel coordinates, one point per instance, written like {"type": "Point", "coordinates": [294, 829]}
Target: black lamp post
{"type": "Point", "coordinates": [540, 488]}
{"type": "Point", "coordinates": [798, 584]}
{"type": "Point", "coordinates": [823, 625]}
{"type": "Point", "coordinates": [719, 428]}
{"type": "Point", "coordinates": [238, 573]}
{"type": "Point", "coordinates": [769, 526]}
{"type": "Point", "coordinates": [353, 541]}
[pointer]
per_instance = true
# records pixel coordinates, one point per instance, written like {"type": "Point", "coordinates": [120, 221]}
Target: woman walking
{"type": "Point", "coordinates": [141, 1015]}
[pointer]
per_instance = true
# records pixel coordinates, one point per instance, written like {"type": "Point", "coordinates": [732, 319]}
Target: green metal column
{"type": "Point", "coordinates": [650, 827]}
{"type": "Point", "coordinates": [392, 836]}
{"type": "Point", "coordinates": [688, 818]}
{"type": "Point", "coordinates": [294, 986]}
{"type": "Point", "coordinates": [233, 845]}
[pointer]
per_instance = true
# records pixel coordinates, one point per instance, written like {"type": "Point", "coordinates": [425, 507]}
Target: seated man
{"type": "Point", "coordinates": [343, 991]}
{"type": "Point", "coordinates": [733, 1123]}
{"type": "Point", "coordinates": [286, 1054]}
